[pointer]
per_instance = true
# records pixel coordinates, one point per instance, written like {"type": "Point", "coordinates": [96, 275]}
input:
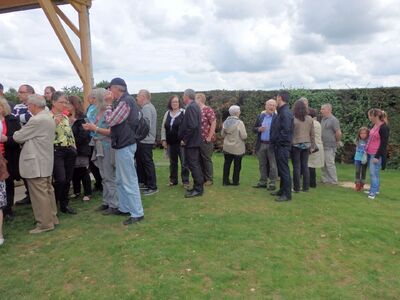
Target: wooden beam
{"type": "Point", "coordinates": [75, 5]}
{"type": "Point", "coordinates": [86, 51]}
{"type": "Point", "coordinates": [63, 37]}
{"type": "Point", "coordinates": [66, 20]}
{"type": "Point", "coordinates": [18, 5]}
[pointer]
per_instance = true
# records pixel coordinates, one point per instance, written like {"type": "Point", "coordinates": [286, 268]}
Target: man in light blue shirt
{"type": "Point", "coordinates": [263, 149]}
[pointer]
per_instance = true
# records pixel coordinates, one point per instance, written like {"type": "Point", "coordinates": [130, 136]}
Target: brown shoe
{"type": "Point", "coordinates": [40, 230]}
{"type": "Point", "coordinates": [208, 183]}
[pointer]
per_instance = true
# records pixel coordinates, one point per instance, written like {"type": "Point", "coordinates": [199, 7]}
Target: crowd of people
{"type": "Point", "coordinates": [50, 141]}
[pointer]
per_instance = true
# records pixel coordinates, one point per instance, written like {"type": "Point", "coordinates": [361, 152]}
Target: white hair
{"type": "Point", "coordinates": [37, 100]}
{"type": "Point", "coordinates": [234, 110]}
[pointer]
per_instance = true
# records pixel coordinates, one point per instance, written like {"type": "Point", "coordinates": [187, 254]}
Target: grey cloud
{"type": "Point", "coordinates": [226, 58]}
{"type": "Point", "coordinates": [239, 10]}
{"type": "Point", "coordinates": [308, 43]}
{"type": "Point", "coordinates": [156, 24]}
{"type": "Point", "coordinates": [341, 21]}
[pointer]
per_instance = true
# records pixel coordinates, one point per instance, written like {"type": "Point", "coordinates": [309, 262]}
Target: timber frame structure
{"type": "Point", "coordinates": [83, 62]}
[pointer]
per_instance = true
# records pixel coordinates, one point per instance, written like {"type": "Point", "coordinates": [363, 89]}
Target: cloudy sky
{"type": "Point", "coordinates": [214, 44]}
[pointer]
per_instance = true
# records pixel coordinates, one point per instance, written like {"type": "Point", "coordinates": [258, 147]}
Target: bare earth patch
{"type": "Point", "coordinates": [349, 184]}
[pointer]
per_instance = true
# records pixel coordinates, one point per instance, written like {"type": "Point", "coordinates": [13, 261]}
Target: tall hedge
{"type": "Point", "coordinates": [350, 106]}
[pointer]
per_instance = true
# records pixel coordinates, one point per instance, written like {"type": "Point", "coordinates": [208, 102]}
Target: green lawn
{"type": "Point", "coordinates": [233, 243]}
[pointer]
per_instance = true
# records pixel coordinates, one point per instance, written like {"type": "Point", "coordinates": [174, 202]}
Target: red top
{"type": "Point", "coordinates": [207, 117]}
{"type": "Point", "coordinates": [4, 126]}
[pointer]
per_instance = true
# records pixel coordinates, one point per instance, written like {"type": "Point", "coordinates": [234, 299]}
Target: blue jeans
{"type": "Point", "coordinates": [374, 170]}
{"type": "Point", "coordinates": [127, 181]}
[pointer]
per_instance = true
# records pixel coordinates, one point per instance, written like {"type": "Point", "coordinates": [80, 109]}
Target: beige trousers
{"type": "Point", "coordinates": [43, 201]}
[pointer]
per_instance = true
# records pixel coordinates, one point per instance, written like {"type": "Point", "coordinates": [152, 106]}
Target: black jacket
{"type": "Point", "coordinates": [382, 150]}
{"type": "Point", "coordinates": [258, 124]}
{"type": "Point", "coordinates": [123, 135]}
{"type": "Point", "coordinates": [171, 132]}
{"type": "Point", "coordinates": [82, 137]}
{"type": "Point", "coordinates": [190, 129]}
{"type": "Point", "coordinates": [12, 149]}
{"type": "Point", "coordinates": [282, 127]}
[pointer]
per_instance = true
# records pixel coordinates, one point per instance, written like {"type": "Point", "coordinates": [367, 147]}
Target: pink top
{"type": "Point", "coordinates": [374, 140]}
{"type": "Point", "coordinates": [4, 131]}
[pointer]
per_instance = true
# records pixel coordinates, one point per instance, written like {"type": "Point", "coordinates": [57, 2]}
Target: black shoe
{"type": "Point", "coordinates": [24, 201]}
{"type": "Point", "coordinates": [260, 186]}
{"type": "Point", "coordinates": [110, 211]}
{"type": "Point", "coordinates": [276, 193]}
{"type": "Point", "coordinates": [132, 220]}
{"type": "Point", "coordinates": [117, 212]}
{"type": "Point", "coordinates": [68, 210]}
{"type": "Point", "coordinates": [142, 186]}
{"type": "Point", "coordinates": [189, 191]}
{"type": "Point", "coordinates": [283, 198]}
{"type": "Point", "coordinates": [149, 192]}
{"type": "Point", "coordinates": [271, 188]}
{"type": "Point", "coordinates": [102, 207]}
{"type": "Point", "coordinates": [226, 183]}
{"type": "Point", "coordinates": [193, 194]}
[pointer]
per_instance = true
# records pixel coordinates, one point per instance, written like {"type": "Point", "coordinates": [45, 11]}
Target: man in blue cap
{"type": "Point", "coordinates": [122, 115]}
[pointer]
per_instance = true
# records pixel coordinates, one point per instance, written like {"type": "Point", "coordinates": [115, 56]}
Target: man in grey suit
{"type": "Point", "coordinates": [36, 162]}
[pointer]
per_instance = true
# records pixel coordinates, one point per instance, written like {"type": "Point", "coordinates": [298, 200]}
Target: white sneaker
{"type": "Point", "coordinates": [371, 196]}
{"type": "Point", "coordinates": [368, 192]}
{"type": "Point", "coordinates": [1, 241]}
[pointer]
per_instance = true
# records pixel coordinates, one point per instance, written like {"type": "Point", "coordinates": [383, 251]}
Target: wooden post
{"type": "Point", "coordinates": [84, 30]}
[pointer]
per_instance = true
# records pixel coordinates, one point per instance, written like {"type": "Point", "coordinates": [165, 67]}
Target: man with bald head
{"type": "Point", "coordinates": [263, 149]}
{"type": "Point", "coordinates": [331, 135]}
{"type": "Point", "coordinates": [144, 154]}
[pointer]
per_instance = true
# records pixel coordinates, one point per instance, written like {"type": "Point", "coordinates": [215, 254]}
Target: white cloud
{"type": "Point", "coordinates": [214, 44]}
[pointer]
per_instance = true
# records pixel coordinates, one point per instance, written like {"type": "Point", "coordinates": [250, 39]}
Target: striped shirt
{"type": "Point", "coordinates": [22, 113]}
{"type": "Point", "coordinates": [118, 115]}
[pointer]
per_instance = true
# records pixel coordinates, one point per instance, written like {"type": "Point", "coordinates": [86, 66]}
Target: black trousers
{"type": "Point", "coordinates": [282, 155]}
{"type": "Point", "coordinates": [64, 161]}
{"type": "Point", "coordinates": [82, 175]}
{"type": "Point", "coordinates": [300, 168]}
{"type": "Point", "coordinates": [237, 166]}
{"type": "Point", "coordinates": [176, 152]}
{"type": "Point", "coordinates": [192, 156]}
{"type": "Point", "coordinates": [361, 172]}
{"type": "Point", "coordinates": [145, 165]}
{"type": "Point", "coordinates": [10, 192]}
{"type": "Point", "coordinates": [96, 172]}
{"type": "Point", "coordinates": [313, 177]}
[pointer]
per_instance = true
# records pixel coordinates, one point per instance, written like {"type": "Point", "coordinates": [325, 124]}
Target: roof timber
{"type": "Point", "coordinates": [83, 62]}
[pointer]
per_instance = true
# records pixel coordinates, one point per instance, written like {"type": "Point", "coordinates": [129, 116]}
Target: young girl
{"type": "Point", "coordinates": [360, 158]}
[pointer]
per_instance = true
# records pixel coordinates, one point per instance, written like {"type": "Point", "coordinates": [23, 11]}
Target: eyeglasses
{"type": "Point", "coordinates": [22, 92]}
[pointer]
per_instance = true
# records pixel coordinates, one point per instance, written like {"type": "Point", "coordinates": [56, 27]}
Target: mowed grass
{"type": "Point", "coordinates": [232, 243]}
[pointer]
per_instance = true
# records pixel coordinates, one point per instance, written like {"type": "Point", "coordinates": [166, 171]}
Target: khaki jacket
{"type": "Point", "coordinates": [37, 154]}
